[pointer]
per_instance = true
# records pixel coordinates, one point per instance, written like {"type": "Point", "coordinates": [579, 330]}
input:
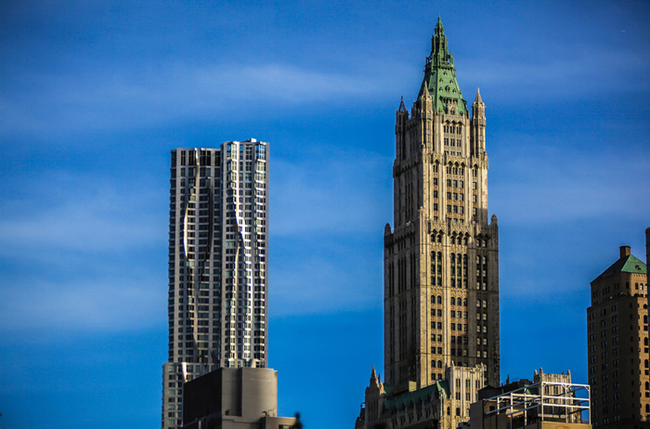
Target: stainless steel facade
{"type": "Point", "coordinates": [218, 249]}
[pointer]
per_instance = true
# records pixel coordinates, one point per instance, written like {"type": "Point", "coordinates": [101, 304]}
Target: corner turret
{"type": "Point", "coordinates": [402, 116]}
{"type": "Point", "coordinates": [478, 125]}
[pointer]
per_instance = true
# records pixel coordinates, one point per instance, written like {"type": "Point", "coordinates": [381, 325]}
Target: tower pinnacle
{"type": "Point", "coordinates": [402, 108]}
{"type": "Point", "coordinates": [440, 76]}
{"type": "Point", "coordinates": [478, 99]}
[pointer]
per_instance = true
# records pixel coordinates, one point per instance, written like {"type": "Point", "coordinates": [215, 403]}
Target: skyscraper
{"type": "Point", "coordinates": [441, 279]}
{"type": "Point", "coordinates": [217, 265]}
{"type": "Point", "coordinates": [617, 329]}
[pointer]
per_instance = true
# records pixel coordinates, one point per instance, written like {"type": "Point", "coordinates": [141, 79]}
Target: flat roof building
{"type": "Point", "coordinates": [550, 401]}
{"type": "Point", "coordinates": [234, 398]}
{"type": "Point", "coordinates": [217, 296]}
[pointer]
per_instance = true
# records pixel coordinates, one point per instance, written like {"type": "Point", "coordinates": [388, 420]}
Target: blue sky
{"type": "Point", "coordinates": [94, 95]}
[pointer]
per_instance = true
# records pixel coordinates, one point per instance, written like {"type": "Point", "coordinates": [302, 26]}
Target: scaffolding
{"type": "Point", "coordinates": [542, 401]}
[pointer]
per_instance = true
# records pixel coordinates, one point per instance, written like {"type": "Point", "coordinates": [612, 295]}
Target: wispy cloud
{"type": "Point", "coordinates": [80, 213]}
{"type": "Point", "coordinates": [542, 78]}
{"type": "Point", "coordinates": [79, 254]}
{"type": "Point", "coordinates": [326, 275]}
{"type": "Point", "coordinates": [336, 193]}
{"type": "Point", "coordinates": [114, 304]}
{"type": "Point", "coordinates": [562, 185]}
{"type": "Point", "coordinates": [98, 100]}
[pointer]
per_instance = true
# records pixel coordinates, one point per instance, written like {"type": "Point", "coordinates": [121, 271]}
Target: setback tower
{"type": "Point", "coordinates": [441, 259]}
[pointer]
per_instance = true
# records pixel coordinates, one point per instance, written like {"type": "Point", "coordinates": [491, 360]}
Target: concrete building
{"type": "Point", "coordinates": [217, 302]}
{"type": "Point", "coordinates": [443, 404]}
{"type": "Point", "coordinates": [550, 401]}
{"type": "Point", "coordinates": [617, 329]}
{"type": "Point", "coordinates": [234, 398]}
{"type": "Point", "coordinates": [441, 269]}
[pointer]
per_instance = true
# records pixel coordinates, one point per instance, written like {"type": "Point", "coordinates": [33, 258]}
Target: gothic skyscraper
{"type": "Point", "coordinates": [217, 265]}
{"type": "Point", "coordinates": [441, 284]}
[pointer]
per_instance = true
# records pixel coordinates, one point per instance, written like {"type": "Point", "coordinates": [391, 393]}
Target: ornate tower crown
{"type": "Point", "coordinates": [440, 76]}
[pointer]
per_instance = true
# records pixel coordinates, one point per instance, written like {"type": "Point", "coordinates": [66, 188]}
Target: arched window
{"type": "Point", "coordinates": [458, 412]}
{"type": "Point", "coordinates": [439, 364]}
{"type": "Point", "coordinates": [453, 301]}
{"type": "Point", "coordinates": [439, 299]}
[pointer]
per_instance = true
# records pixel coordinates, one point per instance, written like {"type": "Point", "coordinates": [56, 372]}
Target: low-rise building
{"type": "Point", "coordinates": [234, 398]}
{"type": "Point", "coordinates": [550, 401]}
{"type": "Point", "coordinates": [443, 404]}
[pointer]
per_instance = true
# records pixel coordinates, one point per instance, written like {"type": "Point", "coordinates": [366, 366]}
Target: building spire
{"type": "Point", "coordinates": [439, 53]}
{"type": "Point", "coordinates": [402, 108]}
{"type": "Point", "coordinates": [478, 99]}
{"type": "Point", "coordinates": [440, 75]}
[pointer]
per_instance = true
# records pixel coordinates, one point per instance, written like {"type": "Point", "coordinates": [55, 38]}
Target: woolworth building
{"type": "Point", "coordinates": [441, 258]}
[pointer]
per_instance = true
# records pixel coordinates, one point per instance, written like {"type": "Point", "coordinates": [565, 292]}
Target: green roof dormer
{"type": "Point", "coordinates": [440, 76]}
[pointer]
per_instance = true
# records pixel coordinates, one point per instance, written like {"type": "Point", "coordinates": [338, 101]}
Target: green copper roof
{"type": "Point", "coordinates": [627, 264]}
{"type": "Point", "coordinates": [634, 265]}
{"type": "Point", "coordinates": [424, 394]}
{"type": "Point", "coordinates": [440, 74]}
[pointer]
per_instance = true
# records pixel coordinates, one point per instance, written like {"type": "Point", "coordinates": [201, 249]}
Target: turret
{"type": "Point", "coordinates": [478, 125]}
{"type": "Point", "coordinates": [402, 116]}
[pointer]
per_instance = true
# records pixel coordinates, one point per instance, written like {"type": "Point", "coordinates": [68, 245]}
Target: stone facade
{"type": "Point", "coordinates": [217, 303]}
{"type": "Point", "coordinates": [441, 268]}
{"type": "Point", "coordinates": [443, 404]}
{"type": "Point", "coordinates": [617, 329]}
